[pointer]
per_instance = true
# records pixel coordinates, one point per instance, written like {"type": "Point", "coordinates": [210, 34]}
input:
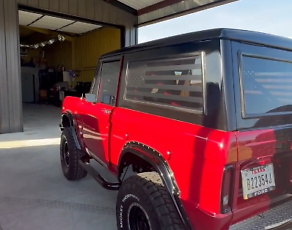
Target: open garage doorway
{"type": "Point", "coordinates": [58, 59]}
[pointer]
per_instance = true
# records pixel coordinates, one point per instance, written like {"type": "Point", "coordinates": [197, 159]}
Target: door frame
{"type": "Point", "coordinates": [98, 80]}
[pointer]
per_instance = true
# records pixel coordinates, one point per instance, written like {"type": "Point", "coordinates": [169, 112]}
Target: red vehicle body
{"type": "Point", "coordinates": [201, 154]}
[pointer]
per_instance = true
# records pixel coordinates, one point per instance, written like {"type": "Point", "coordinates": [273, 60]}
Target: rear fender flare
{"type": "Point", "coordinates": [72, 122]}
{"type": "Point", "coordinates": [154, 158]}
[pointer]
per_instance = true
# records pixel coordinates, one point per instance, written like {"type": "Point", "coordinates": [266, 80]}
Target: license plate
{"type": "Point", "coordinates": [257, 181]}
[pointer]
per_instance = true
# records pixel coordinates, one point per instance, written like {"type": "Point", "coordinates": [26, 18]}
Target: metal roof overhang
{"type": "Point", "coordinates": [153, 11]}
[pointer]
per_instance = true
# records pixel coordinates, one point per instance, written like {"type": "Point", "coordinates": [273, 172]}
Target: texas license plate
{"type": "Point", "coordinates": [258, 180]}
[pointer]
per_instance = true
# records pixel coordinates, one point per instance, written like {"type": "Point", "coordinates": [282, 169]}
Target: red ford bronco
{"type": "Point", "coordinates": [203, 122]}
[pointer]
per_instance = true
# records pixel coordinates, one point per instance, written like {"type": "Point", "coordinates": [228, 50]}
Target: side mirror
{"type": "Point", "coordinates": [91, 98]}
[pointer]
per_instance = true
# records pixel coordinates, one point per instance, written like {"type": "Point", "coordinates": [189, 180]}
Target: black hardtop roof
{"type": "Point", "coordinates": [220, 33]}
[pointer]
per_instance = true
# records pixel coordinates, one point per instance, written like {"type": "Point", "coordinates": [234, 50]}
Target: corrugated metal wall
{"type": "Point", "coordinates": [4, 112]}
{"type": "Point", "coordinates": [97, 10]}
{"type": "Point", "coordinates": [10, 84]}
{"type": "Point", "coordinates": [31, 53]}
{"type": "Point", "coordinates": [89, 47]}
{"type": "Point", "coordinates": [59, 54]}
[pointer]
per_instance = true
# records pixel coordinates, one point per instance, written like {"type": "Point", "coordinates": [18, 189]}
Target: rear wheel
{"type": "Point", "coordinates": [143, 203]}
{"type": "Point", "coordinates": [70, 156]}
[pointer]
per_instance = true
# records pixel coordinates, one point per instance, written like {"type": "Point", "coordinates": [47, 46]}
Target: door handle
{"type": "Point", "coordinates": [106, 111]}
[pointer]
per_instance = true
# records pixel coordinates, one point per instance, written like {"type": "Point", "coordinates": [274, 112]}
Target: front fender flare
{"type": "Point", "coordinates": [161, 166]}
{"type": "Point", "coordinates": [72, 123]}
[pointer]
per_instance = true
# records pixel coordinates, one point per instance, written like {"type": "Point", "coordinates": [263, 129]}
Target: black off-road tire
{"type": "Point", "coordinates": [147, 192]}
{"type": "Point", "coordinates": [72, 170]}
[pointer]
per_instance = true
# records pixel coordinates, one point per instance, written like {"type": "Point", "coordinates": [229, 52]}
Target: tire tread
{"type": "Point", "coordinates": [157, 195]}
{"type": "Point", "coordinates": [76, 172]}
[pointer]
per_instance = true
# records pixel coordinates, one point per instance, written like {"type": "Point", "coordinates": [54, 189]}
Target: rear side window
{"type": "Point", "coordinates": [266, 85]}
{"type": "Point", "coordinates": [167, 82]}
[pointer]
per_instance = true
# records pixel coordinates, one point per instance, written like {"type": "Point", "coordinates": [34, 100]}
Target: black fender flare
{"type": "Point", "coordinates": [72, 123]}
{"type": "Point", "coordinates": [161, 166]}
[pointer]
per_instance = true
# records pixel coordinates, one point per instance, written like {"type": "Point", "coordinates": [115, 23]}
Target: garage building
{"type": "Point", "coordinates": [63, 39]}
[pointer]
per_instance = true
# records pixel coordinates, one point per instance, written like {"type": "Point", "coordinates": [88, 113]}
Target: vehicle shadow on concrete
{"type": "Point", "coordinates": [34, 194]}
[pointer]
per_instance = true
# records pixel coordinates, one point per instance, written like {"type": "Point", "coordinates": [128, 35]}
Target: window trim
{"type": "Point", "coordinates": [99, 76]}
{"type": "Point", "coordinates": [245, 115]}
{"type": "Point", "coordinates": [202, 111]}
{"type": "Point", "coordinates": [96, 79]}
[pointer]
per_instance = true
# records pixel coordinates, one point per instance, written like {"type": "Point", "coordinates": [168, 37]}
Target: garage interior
{"type": "Point", "coordinates": [33, 192]}
{"type": "Point", "coordinates": [58, 58]}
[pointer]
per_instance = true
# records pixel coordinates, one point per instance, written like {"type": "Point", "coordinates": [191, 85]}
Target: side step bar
{"type": "Point", "coordinates": [105, 184]}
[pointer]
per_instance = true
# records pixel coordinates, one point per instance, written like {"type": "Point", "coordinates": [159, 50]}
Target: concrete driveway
{"type": "Point", "coordinates": [33, 191]}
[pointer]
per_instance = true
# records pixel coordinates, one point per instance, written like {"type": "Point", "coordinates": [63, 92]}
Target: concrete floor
{"type": "Point", "coordinates": [34, 195]}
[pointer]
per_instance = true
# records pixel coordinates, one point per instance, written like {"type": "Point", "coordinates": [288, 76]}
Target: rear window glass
{"type": "Point", "coordinates": [266, 85]}
{"type": "Point", "coordinates": [171, 82]}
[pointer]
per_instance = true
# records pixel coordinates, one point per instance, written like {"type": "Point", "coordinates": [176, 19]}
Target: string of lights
{"type": "Point", "coordinates": [59, 38]}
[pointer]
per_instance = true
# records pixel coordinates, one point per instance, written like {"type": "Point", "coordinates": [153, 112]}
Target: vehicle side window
{"type": "Point", "coordinates": [109, 79]}
{"type": "Point", "coordinates": [266, 85]}
{"type": "Point", "coordinates": [167, 82]}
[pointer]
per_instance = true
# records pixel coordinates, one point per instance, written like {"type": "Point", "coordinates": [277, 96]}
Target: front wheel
{"type": "Point", "coordinates": [143, 203]}
{"type": "Point", "coordinates": [70, 156]}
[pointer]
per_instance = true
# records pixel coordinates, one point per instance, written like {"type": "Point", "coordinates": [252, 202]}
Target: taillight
{"type": "Point", "coordinates": [226, 190]}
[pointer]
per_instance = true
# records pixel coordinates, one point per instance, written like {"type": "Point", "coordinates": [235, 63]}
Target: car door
{"type": "Point", "coordinates": [96, 121]}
